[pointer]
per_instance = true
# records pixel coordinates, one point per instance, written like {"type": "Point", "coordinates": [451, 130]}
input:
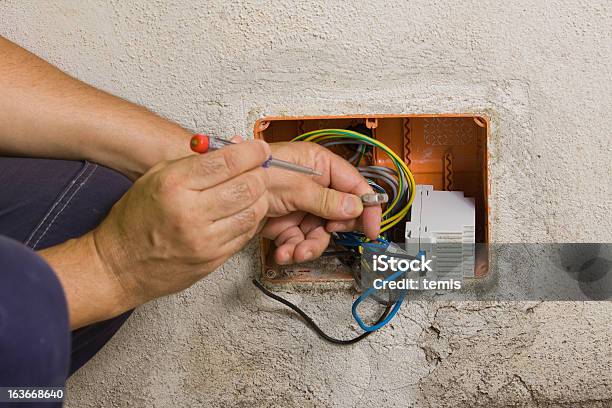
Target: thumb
{"type": "Point", "coordinates": [327, 203]}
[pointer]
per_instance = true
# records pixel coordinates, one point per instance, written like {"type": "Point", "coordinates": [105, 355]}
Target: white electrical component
{"type": "Point", "coordinates": [442, 226]}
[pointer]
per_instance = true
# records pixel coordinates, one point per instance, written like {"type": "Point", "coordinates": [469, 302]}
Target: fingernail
{"type": "Point", "coordinates": [351, 205]}
{"type": "Point", "coordinates": [308, 256]}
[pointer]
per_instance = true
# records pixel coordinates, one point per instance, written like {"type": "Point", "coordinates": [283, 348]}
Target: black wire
{"type": "Point", "coordinates": [311, 322]}
{"type": "Point", "coordinates": [338, 253]}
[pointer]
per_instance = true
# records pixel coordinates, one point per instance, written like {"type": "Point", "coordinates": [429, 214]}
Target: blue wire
{"type": "Point", "coordinates": [348, 239]}
{"type": "Point", "coordinates": [376, 186]}
{"type": "Point", "coordinates": [353, 239]}
{"type": "Point", "coordinates": [369, 292]}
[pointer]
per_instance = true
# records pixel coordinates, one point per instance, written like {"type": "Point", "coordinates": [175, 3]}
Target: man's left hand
{"type": "Point", "coordinates": [305, 210]}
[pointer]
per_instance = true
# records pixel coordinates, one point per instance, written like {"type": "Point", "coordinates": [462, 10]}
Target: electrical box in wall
{"type": "Point", "coordinates": [446, 153]}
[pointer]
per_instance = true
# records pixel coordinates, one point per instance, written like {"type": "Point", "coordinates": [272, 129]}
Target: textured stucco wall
{"type": "Point", "coordinates": [540, 70]}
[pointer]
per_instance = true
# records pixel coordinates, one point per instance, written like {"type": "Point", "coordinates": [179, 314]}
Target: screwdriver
{"type": "Point", "coordinates": [203, 143]}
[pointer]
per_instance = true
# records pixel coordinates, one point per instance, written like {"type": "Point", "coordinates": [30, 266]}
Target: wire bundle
{"type": "Point", "coordinates": [400, 181]}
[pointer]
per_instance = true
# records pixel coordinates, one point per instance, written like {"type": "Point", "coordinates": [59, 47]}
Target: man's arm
{"type": "Point", "coordinates": [184, 217]}
{"type": "Point", "coordinates": [47, 113]}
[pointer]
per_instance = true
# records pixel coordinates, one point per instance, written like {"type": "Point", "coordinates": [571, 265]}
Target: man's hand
{"type": "Point", "coordinates": [306, 211]}
{"type": "Point", "coordinates": [178, 222]}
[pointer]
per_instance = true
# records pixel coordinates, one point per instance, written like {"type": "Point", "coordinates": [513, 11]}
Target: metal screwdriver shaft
{"type": "Point", "coordinates": [281, 164]}
{"type": "Point", "coordinates": [204, 143]}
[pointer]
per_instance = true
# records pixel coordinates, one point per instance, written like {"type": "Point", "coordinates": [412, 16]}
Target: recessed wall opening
{"type": "Point", "coordinates": [448, 152]}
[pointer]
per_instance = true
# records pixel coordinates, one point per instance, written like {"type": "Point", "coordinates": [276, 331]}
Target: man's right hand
{"type": "Point", "coordinates": [183, 219]}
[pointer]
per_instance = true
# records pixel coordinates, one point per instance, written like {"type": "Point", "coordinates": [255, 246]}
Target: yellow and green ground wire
{"type": "Point", "coordinates": [392, 214]}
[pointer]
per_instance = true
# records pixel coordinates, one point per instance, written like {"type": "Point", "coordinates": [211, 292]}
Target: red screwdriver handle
{"type": "Point", "coordinates": [203, 143]}
{"type": "Point", "coordinates": [199, 143]}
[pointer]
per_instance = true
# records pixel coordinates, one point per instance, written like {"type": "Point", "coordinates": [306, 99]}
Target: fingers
{"type": "Point", "coordinates": [326, 202]}
{"type": "Point", "coordinates": [286, 234]}
{"type": "Point", "coordinates": [302, 248]}
{"type": "Point", "coordinates": [313, 246]}
{"type": "Point", "coordinates": [303, 243]}
{"type": "Point", "coordinates": [283, 254]}
{"type": "Point", "coordinates": [344, 226]}
{"type": "Point", "coordinates": [241, 224]}
{"type": "Point", "coordinates": [234, 195]}
{"type": "Point", "coordinates": [237, 243]}
{"type": "Point", "coordinates": [354, 224]}
{"type": "Point", "coordinates": [370, 220]}
{"type": "Point", "coordinates": [276, 226]}
{"type": "Point", "coordinates": [203, 171]}
{"type": "Point", "coordinates": [368, 223]}
{"type": "Point", "coordinates": [345, 210]}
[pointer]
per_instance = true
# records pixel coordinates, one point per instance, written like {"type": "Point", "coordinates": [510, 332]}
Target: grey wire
{"type": "Point", "coordinates": [385, 169]}
{"type": "Point", "coordinates": [393, 172]}
{"type": "Point", "coordinates": [378, 172]}
{"type": "Point", "coordinates": [388, 180]}
{"type": "Point", "coordinates": [386, 172]}
{"type": "Point", "coordinates": [354, 156]}
{"type": "Point", "coordinates": [380, 175]}
{"type": "Point", "coordinates": [371, 169]}
{"type": "Point", "coordinates": [347, 142]}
